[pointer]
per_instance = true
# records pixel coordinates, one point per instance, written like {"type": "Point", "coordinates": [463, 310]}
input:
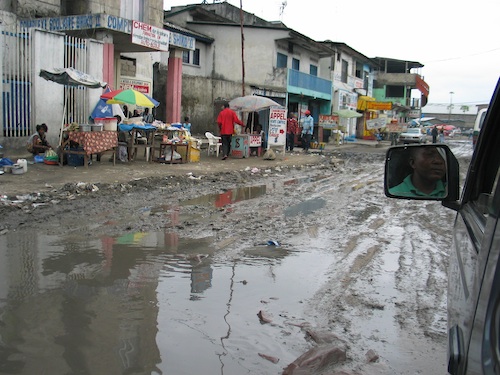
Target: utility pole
{"type": "Point", "coordinates": [451, 106]}
{"type": "Point", "coordinates": [242, 51]}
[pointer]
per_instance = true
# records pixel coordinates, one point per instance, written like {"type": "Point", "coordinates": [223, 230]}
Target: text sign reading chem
{"type": "Point", "coordinates": [277, 127]}
{"type": "Point", "coordinates": [150, 36]}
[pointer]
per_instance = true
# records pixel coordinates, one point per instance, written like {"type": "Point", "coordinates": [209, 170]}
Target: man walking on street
{"type": "Point", "coordinates": [226, 120]}
{"type": "Point", "coordinates": [307, 130]}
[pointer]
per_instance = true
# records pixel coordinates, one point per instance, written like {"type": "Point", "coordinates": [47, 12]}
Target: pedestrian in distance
{"type": "Point", "coordinates": [307, 130]}
{"type": "Point", "coordinates": [226, 120]}
{"type": "Point", "coordinates": [441, 135]}
{"type": "Point", "coordinates": [292, 128]}
{"type": "Point", "coordinates": [434, 133]}
{"type": "Point", "coordinates": [186, 124]}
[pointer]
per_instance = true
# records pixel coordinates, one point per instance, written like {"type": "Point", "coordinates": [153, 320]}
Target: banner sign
{"type": "Point", "coordinates": [376, 123]}
{"type": "Point", "coordinates": [379, 106]}
{"type": "Point", "coordinates": [328, 121]}
{"type": "Point", "coordinates": [150, 36]}
{"type": "Point", "coordinates": [136, 84]}
{"type": "Point", "coordinates": [277, 127]}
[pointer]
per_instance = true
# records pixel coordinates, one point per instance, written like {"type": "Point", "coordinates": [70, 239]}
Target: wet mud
{"type": "Point", "coordinates": [293, 269]}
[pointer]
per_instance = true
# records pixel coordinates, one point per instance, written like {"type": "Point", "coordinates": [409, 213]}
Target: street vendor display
{"type": "Point", "coordinates": [139, 136]}
{"type": "Point", "coordinates": [173, 144]}
{"type": "Point", "coordinates": [90, 142]}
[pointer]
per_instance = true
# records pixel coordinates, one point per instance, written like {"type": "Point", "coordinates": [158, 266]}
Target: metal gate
{"type": "Point", "coordinates": [17, 72]}
{"type": "Point", "coordinates": [15, 55]}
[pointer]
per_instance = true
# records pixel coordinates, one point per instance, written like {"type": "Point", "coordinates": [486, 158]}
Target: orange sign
{"type": "Point", "coordinates": [379, 106]}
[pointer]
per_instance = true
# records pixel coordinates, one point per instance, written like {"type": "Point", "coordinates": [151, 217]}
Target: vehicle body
{"type": "Point", "coordinates": [478, 123]}
{"type": "Point", "coordinates": [412, 135]}
{"type": "Point", "coordinates": [474, 269]}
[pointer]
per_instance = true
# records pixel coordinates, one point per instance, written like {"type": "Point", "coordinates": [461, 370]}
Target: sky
{"type": "Point", "coordinates": [457, 42]}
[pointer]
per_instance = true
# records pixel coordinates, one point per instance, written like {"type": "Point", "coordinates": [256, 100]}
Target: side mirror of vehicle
{"type": "Point", "coordinates": [422, 172]}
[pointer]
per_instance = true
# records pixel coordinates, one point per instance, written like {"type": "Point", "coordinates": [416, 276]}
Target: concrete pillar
{"type": "Point", "coordinates": [174, 86]}
{"type": "Point", "coordinates": [108, 66]}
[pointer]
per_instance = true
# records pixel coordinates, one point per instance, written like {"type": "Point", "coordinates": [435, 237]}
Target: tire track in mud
{"type": "Point", "coordinates": [390, 268]}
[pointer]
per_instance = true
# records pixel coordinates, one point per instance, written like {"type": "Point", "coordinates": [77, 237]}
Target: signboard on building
{"type": "Point", "coordinates": [136, 84]}
{"type": "Point", "coordinates": [268, 93]}
{"type": "Point", "coordinates": [415, 113]}
{"type": "Point", "coordinates": [182, 41]}
{"type": "Point", "coordinates": [379, 106]}
{"type": "Point", "coordinates": [376, 123]}
{"type": "Point", "coordinates": [80, 22]}
{"type": "Point", "coordinates": [150, 36]}
{"type": "Point", "coordinates": [328, 121]}
{"type": "Point", "coordinates": [277, 127]}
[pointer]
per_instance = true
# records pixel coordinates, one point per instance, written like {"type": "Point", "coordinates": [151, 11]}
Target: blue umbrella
{"type": "Point", "coordinates": [103, 110]}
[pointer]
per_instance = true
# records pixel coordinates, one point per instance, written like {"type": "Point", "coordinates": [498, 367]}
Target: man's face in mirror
{"type": "Point", "coordinates": [428, 163]}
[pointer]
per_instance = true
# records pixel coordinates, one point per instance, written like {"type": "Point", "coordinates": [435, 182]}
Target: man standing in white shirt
{"type": "Point", "coordinates": [307, 130]}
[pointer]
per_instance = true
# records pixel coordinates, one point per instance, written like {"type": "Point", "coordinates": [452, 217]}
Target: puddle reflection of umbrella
{"type": "Point", "coordinates": [130, 96]}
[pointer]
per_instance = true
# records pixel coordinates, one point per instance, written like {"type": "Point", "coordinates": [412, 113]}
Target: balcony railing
{"type": "Point", "coordinates": [309, 82]}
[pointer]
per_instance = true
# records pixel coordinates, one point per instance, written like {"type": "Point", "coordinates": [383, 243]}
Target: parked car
{"type": "Point", "coordinates": [413, 135]}
{"type": "Point", "coordinates": [474, 257]}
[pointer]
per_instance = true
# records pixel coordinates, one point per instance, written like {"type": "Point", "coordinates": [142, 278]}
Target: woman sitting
{"type": "Point", "coordinates": [37, 143]}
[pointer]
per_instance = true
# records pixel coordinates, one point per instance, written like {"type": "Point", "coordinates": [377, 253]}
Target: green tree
{"type": "Point", "coordinates": [464, 108]}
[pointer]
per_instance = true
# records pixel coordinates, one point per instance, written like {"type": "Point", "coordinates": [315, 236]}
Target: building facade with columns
{"type": "Point", "coordinates": [120, 42]}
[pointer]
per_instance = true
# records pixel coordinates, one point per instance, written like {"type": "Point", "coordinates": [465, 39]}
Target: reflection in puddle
{"type": "Point", "coordinates": [228, 197]}
{"type": "Point", "coordinates": [305, 208]}
{"type": "Point", "coordinates": [138, 303]}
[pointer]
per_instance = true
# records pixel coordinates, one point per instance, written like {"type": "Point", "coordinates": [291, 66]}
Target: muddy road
{"type": "Point", "coordinates": [292, 269]}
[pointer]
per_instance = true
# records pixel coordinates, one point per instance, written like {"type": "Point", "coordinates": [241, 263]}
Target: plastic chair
{"type": "Point", "coordinates": [214, 143]}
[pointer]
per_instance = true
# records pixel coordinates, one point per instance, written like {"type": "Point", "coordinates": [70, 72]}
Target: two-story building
{"type": "Point", "coordinates": [394, 81]}
{"type": "Point", "coordinates": [274, 61]}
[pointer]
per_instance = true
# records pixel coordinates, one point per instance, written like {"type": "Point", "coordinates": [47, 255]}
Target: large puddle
{"type": "Point", "coordinates": [151, 303]}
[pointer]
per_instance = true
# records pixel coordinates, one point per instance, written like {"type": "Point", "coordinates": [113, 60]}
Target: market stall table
{"type": "Point", "coordinates": [181, 148]}
{"type": "Point", "coordinates": [174, 139]}
{"type": "Point", "coordinates": [141, 137]}
{"type": "Point", "coordinates": [93, 142]}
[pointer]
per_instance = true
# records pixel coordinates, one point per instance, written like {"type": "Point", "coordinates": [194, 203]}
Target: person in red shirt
{"type": "Point", "coordinates": [292, 128]}
{"type": "Point", "coordinates": [226, 120]}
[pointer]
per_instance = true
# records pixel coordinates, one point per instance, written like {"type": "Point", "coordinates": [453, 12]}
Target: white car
{"type": "Point", "coordinates": [412, 135]}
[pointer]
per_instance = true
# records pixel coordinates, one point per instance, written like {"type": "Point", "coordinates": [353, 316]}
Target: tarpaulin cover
{"type": "Point", "coordinates": [71, 77]}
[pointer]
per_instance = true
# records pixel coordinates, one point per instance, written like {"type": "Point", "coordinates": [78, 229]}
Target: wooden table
{"type": "Point", "coordinates": [91, 142]}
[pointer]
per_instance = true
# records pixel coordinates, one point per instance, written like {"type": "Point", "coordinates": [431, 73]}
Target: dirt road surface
{"type": "Point", "coordinates": [382, 309]}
